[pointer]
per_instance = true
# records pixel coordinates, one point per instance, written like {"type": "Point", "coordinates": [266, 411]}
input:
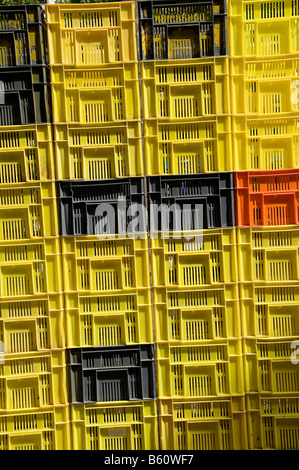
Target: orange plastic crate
{"type": "Point", "coordinates": [267, 198]}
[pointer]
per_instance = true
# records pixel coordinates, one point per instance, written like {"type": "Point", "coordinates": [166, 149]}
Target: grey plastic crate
{"type": "Point", "coordinates": [116, 373]}
{"type": "Point", "coordinates": [81, 203]}
{"type": "Point", "coordinates": [203, 201]}
{"type": "Point", "coordinates": [182, 30]}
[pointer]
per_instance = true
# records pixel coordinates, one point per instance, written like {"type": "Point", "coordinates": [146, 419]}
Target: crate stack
{"type": "Point", "coordinates": [33, 403]}
{"type": "Point", "coordinates": [187, 143]}
{"type": "Point", "coordinates": [99, 166]}
{"type": "Point", "coordinates": [264, 66]}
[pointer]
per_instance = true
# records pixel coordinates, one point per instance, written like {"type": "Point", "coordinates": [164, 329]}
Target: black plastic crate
{"type": "Point", "coordinates": [25, 96]}
{"type": "Point", "coordinates": [83, 206]}
{"type": "Point", "coordinates": [116, 373]}
{"type": "Point", "coordinates": [202, 201]}
{"type": "Point", "coordinates": [182, 30]}
{"type": "Point", "coordinates": [23, 38]}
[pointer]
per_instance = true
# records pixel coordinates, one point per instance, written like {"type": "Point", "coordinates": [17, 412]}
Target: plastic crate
{"type": "Point", "coordinates": [259, 28]}
{"type": "Point", "coordinates": [204, 201]}
{"type": "Point", "coordinates": [273, 421]}
{"type": "Point", "coordinates": [208, 369]}
{"type": "Point", "coordinates": [182, 30]}
{"type": "Point", "coordinates": [197, 315]}
{"type": "Point", "coordinates": [125, 426]}
{"type": "Point", "coordinates": [197, 259]}
{"type": "Point", "coordinates": [268, 367]}
{"type": "Point", "coordinates": [32, 325]}
{"type": "Point", "coordinates": [269, 311]}
{"type": "Point", "coordinates": [30, 269]}
{"type": "Point", "coordinates": [28, 211]}
{"type": "Point", "coordinates": [268, 256]}
{"type": "Point", "coordinates": [97, 95]}
{"type": "Point", "coordinates": [265, 144]}
{"type": "Point", "coordinates": [201, 146]}
{"type": "Point", "coordinates": [267, 198]}
{"type": "Point", "coordinates": [264, 86]}
{"type": "Point", "coordinates": [182, 90]}
{"type": "Point", "coordinates": [93, 153]}
{"type": "Point", "coordinates": [91, 35]}
{"type": "Point", "coordinates": [101, 208]}
{"type": "Point", "coordinates": [33, 381]}
{"type": "Point", "coordinates": [26, 154]}
{"type": "Point", "coordinates": [108, 320]}
{"type": "Point", "coordinates": [22, 36]}
{"type": "Point", "coordinates": [25, 96]}
{"type": "Point", "coordinates": [203, 425]}
{"type": "Point", "coordinates": [40, 430]}
{"type": "Point", "coordinates": [116, 373]}
{"type": "Point", "coordinates": [115, 265]}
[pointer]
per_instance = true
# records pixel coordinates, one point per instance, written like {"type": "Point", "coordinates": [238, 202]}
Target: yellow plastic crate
{"type": "Point", "coordinates": [273, 422]}
{"type": "Point", "coordinates": [203, 424]}
{"type": "Point", "coordinates": [259, 28]}
{"type": "Point", "coordinates": [98, 153]}
{"type": "Point", "coordinates": [26, 154]}
{"type": "Point", "coordinates": [268, 367]}
{"type": "Point", "coordinates": [39, 430]}
{"type": "Point", "coordinates": [268, 255]}
{"type": "Point", "coordinates": [264, 87]}
{"type": "Point", "coordinates": [33, 381]}
{"type": "Point", "coordinates": [95, 95]}
{"type": "Point", "coordinates": [269, 312]}
{"type": "Point", "coordinates": [91, 35]}
{"type": "Point", "coordinates": [189, 147]}
{"type": "Point", "coordinates": [28, 211]}
{"type": "Point", "coordinates": [32, 325]}
{"type": "Point", "coordinates": [109, 319]}
{"type": "Point", "coordinates": [120, 427]}
{"type": "Point", "coordinates": [118, 265]}
{"type": "Point", "coordinates": [265, 144]}
{"type": "Point", "coordinates": [197, 259]}
{"type": "Point", "coordinates": [207, 369]}
{"type": "Point", "coordinates": [185, 89]}
{"type": "Point", "coordinates": [197, 315]}
{"type": "Point", "coordinates": [30, 269]}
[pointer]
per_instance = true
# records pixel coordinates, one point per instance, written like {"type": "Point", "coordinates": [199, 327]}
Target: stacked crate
{"type": "Point", "coordinates": [33, 403]}
{"type": "Point", "coordinates": [187, 144]}
{"type": "Point", "coordinates": [99, 166]}
{"type": "Point", "coordinates": [264, 67]}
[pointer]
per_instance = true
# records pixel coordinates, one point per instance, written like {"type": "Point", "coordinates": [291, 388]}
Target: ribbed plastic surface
{"type": "Point", "coordinates": [108, 319]}
{"type": "Point", "coordinates": [103, 267]}
{"type": "Point", "coordinates": [22, 36]}
{"type": "Point", "coordinates": [258, 28]}
{"type": "Point", "coordinates": [203, 424]}
{"type": "Point", "coordinates": [32, 325]}
{"type": "Point", "coordinates": [193, 315]}
{"type": "Point", "coordinates": [207, 369]}
{"type": "Point", "coordinates": [90, 36]}
{"type": "Point", "coordinates": [48, 429]}
{"type": "Point", "coordinates": [25, 96]}
{"type": "Point", "coordinates": [268, 256]}
{"type": "Point", "coordinates": [182, 31]}
{"type": "Point", "coordinates": [197, 259]}
{"type": "Point", "coordinates": [101, 207]}
{"type": "Point", "coordinates": [33, 381]}
{"type": "Point", "coordinates": [98, 153]}
{"type": "Point", "coordinates": [116, 373]}
{"type": "Point", "coordinates": [28, 211]}
{"type": "Point", "coordinates": [124, 426]}
{"type": "Point", "coordinates": [26, 154]}
{"type": "Point", "coordinates": [272, 421]}
{"type": "Point", "coordinates": [196, 202]}
{"type": "Point", "coordinates": [265, 144]}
